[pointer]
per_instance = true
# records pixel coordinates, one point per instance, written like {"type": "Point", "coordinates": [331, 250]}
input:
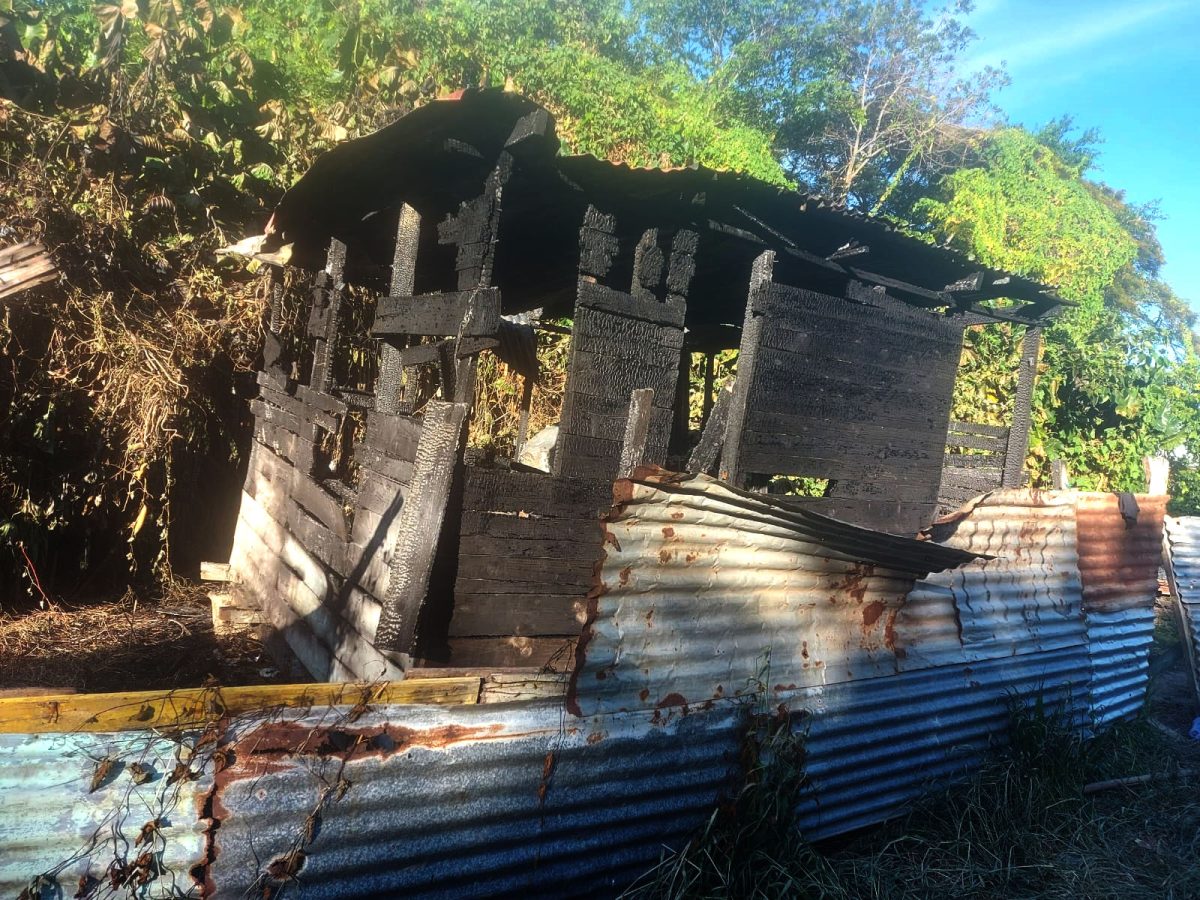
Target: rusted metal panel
{"type": "Point", "coordinates": [1183, 546]}
{"type": "Point", "coordinates": [701, 584]}
{"type": "Point", "coordinates": [1026, 599]}
{"type": "Point", "coordinates": [874, 747]}
{"type": "Point", "coordinates": [464, 802]}
{"type": "Point", "coordinates": [1118, 566]}
{"type": "Point", "coordinates": [55, 826]}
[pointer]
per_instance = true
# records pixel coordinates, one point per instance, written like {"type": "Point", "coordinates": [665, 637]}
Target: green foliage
{"type": "Point", "coordinates": [1118, 380]}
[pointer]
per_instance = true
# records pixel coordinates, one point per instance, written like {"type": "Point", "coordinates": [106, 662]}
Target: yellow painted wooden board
{"type": "Point", "coordinates": [194, 706]}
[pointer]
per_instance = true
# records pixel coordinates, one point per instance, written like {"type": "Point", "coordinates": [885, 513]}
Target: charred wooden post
{"type": "Point", "coordinates": [707, 453]}
{"type": "Point", "coordinates": [323, 322]}
{"type": "Point", "coordinates": [421, 525]}
{"type": "Point", "coordinates": [389, 385]}
{"type": "Point", "coordinates": [735, 423]}
{"type": "Point", "coordinates": [637, 431]}
{"type": "Point", "coordinates": [1018, 434]}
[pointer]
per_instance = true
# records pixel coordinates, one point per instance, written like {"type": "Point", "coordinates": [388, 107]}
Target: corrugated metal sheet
{"type": "Point", "coordinates": [1183, 545]}
{"type": "Point", "coordinates": [874, 747]}
{"type": "Point", "coordinates": [467, 802]}
{"type": "Point", "coordinates": [1118, 566]}
{"type": "Point", "coordinates": [53, 825]}
{"type": "Point", "coordinates": [700, 583]}
{"type": "Point", "coordinates": [706, 594]}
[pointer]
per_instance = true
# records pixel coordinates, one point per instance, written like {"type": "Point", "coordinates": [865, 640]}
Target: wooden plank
{"type": "Point", "coordinates": [554, 654]}
{"type": "Point", "coordinates": [527, 570]}
{"type": "Point", "coordinates": [421, 524]}
{"type": "Point", "coordinates": [605, 299]}
{"type": "Point", "coordinates": [476, 524]}
{"type": "Point", "coordinates": [214, 571]}
{"type": "Point", "coordinates": [404, 262]}
{"type": "Point", "coordinates": [191, 707]}
{"type": "Point", "coordinates": [521, 687]}
{"type": "Point", "coordinates": [498, 615]}
{"type": "Point", "coordinates": [637, 432]}
{"type": "Point", "coordinates": [439, 314]}
{"type": "Point", "coordinates": [534, 494]}
{"type": "Point", "coordinates": [303, 597]}
{"type": "Point", "coordinates": [978, 428]}
{"type": "Point", "coordinates": [433, 354]}
{"type": "Point", "coordinates": [395, 435]}
{"type": "Point", "coordinates": [707, 452]}
{"type": "Point", "coordinates": [1018, 435]}
{"type": "Point", "coordinates": [739, 404]}
{"type": "Point", "coordinates": [373, 463]}
{"type": "Point", "coordinates": [530, 547]}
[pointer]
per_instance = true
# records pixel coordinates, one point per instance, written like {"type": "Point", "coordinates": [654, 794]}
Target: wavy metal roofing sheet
{"type": "Point", "coordinates": [503, 800]}
{"type": "Point", "coordinates": [1183, 545]}
{"type": "Point", "coordinates": [1118, 566]}
{"type": "Point", "coordinates": [700, 582]}
{"type": "Point", "coordinates": [53, 824]}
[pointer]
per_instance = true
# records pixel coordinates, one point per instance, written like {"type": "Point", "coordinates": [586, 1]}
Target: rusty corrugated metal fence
{"type": "Point", "coordinates": [898, 659]}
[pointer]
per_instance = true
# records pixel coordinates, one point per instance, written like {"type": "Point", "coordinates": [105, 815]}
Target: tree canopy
{"type": "Point", "coordinates": [141, 135]}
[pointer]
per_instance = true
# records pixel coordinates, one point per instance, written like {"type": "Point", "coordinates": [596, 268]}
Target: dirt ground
{"type": "Point", "coordinates": [149, 642]}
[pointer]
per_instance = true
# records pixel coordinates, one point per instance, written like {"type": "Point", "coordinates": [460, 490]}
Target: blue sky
{"type": "Point", "coordinates": [1129, 67]}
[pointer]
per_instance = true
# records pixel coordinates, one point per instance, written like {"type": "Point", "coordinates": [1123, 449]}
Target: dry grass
{"type": "Point", "coordinates": [124, 645]}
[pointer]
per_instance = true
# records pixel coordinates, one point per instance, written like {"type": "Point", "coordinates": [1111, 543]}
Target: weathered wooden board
{"type": "Point", "coordinates": [421, 524]}
{"type": "Point", "coordinates": [858, 393]}
{"type": "Point", "coordinates": [439, 314]}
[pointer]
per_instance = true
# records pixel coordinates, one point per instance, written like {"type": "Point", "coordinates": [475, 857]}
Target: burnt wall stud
{"type": "Point", "coordinates": [637, 432]}
{"type": "Point", "coordinates": [323, 322]}
{"type": "Point", "coordinates": [760, 284]}
{"type": "Point", "coordinates": [420, 526]}
{"type": "Point", "coordinates": [1018, 435]}
{"type": "Point", "coordinates": [404, 267]}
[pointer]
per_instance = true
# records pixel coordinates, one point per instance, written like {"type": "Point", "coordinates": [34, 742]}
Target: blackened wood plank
{"type": "Point", "coordinates": [599, 297]}
{"type": "Point", "coordinates": [532, 546]}
{"type": "Point", "coordinates": [396, 436]}
{"type": "Point", "coordinates": [404, 262]}
{"type": "Point", "coordinates": [499, 526]}
{"type": "Point", "coordinates": [482, 615]}
{"type": "Point", "coordinates": [535, 494]}
{"type": "Point", "coordinates": [637, 432]}
{"type": "Point", "coordinates": [372, 463]}
{"type": "Point", "coordinates": [1018, 435]}
{"type": "Point", "coordinates": [525, 570]}
{"type": "Point", "coordinates": [421, 524]}
{"type": "Point", "coordinates": [552, 654]}
{"type": "Point", "coordinates": [760, 284]}
{"type": "Point", "coordinates": [707, 452]}
{"type": "Point", "coordinates": [439, 314]}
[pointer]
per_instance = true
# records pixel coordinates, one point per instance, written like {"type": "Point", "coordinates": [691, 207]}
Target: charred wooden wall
{"type": "Point", "coordinates": [854, 391]}
{"type": "Point", "coordinates": [528, 544]}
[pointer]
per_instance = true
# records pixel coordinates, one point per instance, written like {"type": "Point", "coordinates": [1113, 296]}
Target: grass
{"type": "Point", "coordinates": [1022, 827]}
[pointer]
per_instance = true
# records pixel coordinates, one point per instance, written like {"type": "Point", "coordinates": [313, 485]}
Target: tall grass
{"type": "Point", "coordinates": [1021, 827]}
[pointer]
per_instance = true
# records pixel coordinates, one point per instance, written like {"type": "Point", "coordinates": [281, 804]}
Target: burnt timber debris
{"type": "Point", "coordinates": [571, 652]}
{"type": "Point", "coordinates": [470, 229]}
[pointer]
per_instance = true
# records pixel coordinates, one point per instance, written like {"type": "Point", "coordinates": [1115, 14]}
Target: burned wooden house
{"type": "Point", "coordinates": [375, 540]}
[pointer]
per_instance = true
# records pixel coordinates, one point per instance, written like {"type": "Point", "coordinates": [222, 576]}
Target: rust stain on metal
{"type": "Point", "coordinates": [871, 612]}
{"type": "Point", "coordinates": [668, 532]}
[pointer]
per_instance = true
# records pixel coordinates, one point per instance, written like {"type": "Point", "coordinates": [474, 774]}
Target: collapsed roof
{"type": "Point", "coordinates": [437, 156]}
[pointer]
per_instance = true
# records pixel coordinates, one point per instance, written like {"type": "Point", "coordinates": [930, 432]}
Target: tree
{"type": "Point", "coordinates": [1115, 383]}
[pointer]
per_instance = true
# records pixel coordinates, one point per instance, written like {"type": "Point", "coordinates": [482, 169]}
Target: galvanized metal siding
{"type": "Point", "coordinates": [468, 801]}
{"type": "Point", "coordinates": [1027, 599]}
{"type": "Point", "coordinates": [706, 592]}
{"type": "Point", "coordinates": [1183, 544]}
{"type": "Point", "coordinates": [52, 824]}
{"type": "Point", "coordinates": [873, 747]}
{"type": "Point", "coordinates": [1118, 565]}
